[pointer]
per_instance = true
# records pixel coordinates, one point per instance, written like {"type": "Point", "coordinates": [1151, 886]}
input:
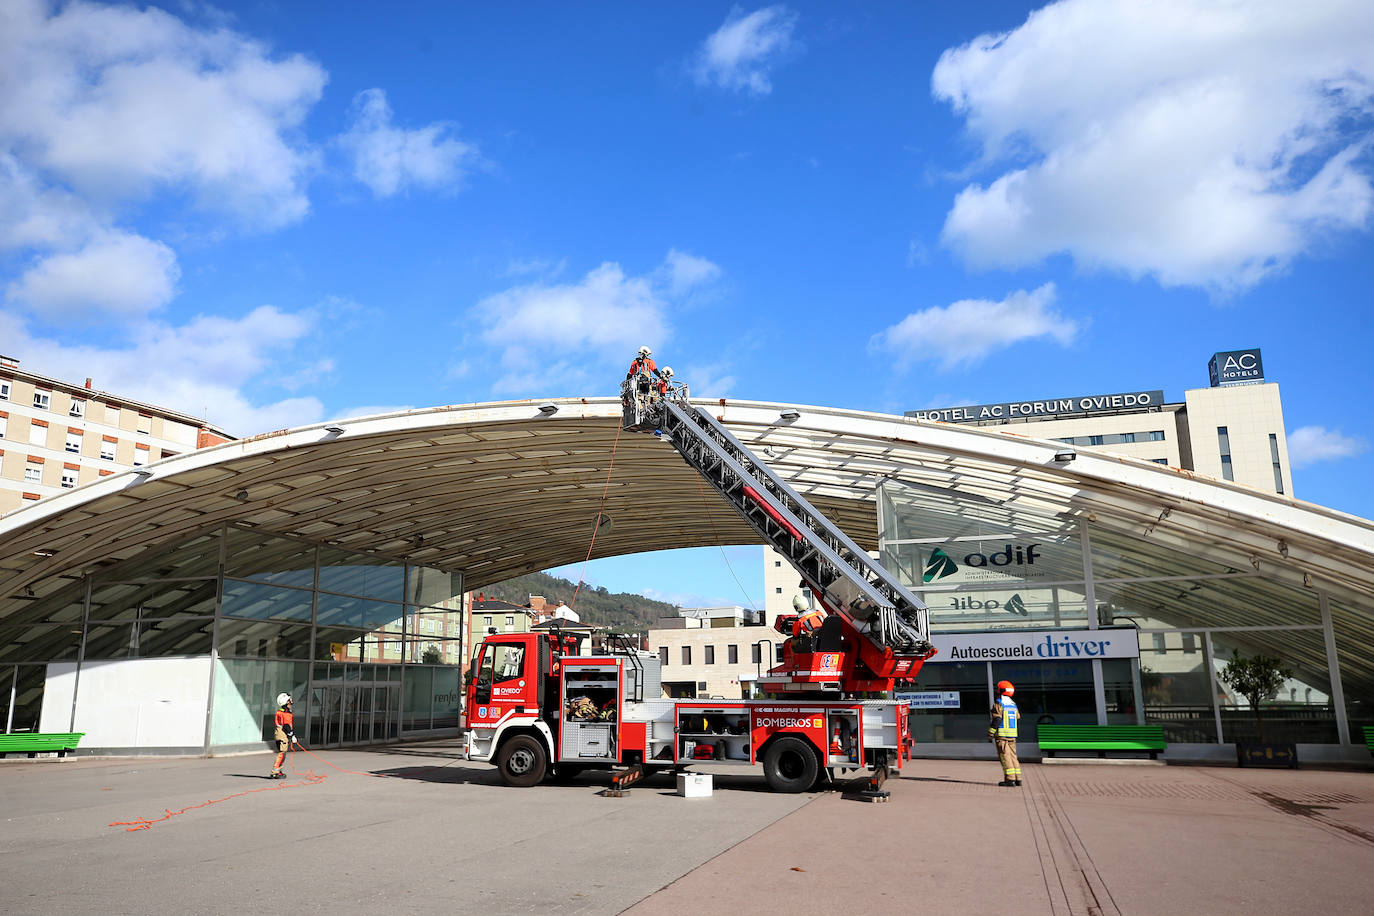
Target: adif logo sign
{"type": "Point", "coordinates": [941, 565]}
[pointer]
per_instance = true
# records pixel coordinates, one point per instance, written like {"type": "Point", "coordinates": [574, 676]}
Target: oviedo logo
{"type": "Point", "coordinates": [941, 565]}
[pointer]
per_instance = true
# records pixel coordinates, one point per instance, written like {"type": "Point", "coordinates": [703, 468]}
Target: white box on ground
{"type": "Point", "coordinates": [694, 785]}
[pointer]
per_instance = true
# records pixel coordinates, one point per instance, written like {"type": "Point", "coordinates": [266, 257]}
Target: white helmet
{"type": "Point", "coordinates": [667, 371]}
{"type": "Point", "coordinates": [283, 699]}
{"type": "Point", "coordinates": [799, 604]}
{"type": "Point", "coordinates": [645, 351]}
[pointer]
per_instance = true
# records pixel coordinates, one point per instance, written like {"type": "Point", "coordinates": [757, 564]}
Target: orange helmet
{"type": "Point", "coordinates": [1005, 687]}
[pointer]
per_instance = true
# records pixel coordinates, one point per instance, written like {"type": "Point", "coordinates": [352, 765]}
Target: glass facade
{"type": "Point", "coordinates": [367, 646]}
{"type": "Point", "coordinates": [984, 564]}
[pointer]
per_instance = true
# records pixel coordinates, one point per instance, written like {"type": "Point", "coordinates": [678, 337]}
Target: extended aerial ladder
{"type": "Point", "coordinates": [877, 631]}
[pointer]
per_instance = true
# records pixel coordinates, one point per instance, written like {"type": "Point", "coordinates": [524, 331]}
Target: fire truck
{"type": "Point", "coordinates": [539, 709]}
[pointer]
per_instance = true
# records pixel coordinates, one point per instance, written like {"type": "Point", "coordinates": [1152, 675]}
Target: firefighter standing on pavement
{"type": "Point", "coordinates": [1002, 730]}
{"type": "Point", "coordinates": [283, 733]}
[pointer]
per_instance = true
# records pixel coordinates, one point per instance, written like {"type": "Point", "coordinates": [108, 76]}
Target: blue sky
{"type": "Point", "coordinates": [272, 214]}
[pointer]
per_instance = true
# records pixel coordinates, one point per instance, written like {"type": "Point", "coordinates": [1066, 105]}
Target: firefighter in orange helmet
{"type": "Point", "coordinates": [1002, 732]}
{"type": "Point", "coordinates": [283, 733]}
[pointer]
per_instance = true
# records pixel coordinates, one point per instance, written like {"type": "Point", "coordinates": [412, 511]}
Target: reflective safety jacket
{"type": "Point", "coordinates": [283, 720]}
{"type": "Point", "coordinates": [645, 365]}
{"type": "Point", "coordinates": [1004, 718]}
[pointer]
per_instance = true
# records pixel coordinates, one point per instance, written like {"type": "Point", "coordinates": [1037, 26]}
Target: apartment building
{"type": "Point", "coordinates": [55, 435]}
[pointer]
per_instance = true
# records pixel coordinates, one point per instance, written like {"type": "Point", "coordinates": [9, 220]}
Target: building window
{"type": "Point", "coordinates": [4, 426]}
{"type": "Point", "coordinates": [710, 655]}
{"type": "Point", "coordinates": [1274, 457]}
{"type": "Point", "coordinates": [754, 655]}
{"type": "Point", "coordinates": [1160, 460]}
{"type": "Point", "coordinates": [1156, 435]}
{"type": "Point", "coordinates": [1094, 440]}
{"type": "Point", "coordinates": [4, 390]}
{"type": "Point", "coordinates": [486, 622]}
{"type": "Point", "coordinates": [68, 478]}
{"type": "Point", "coordinates": [78, 408]}
{"type": "Point", "coordinates": [107, 451]}
{"type": "Point", "coordinates": [663, 655]}
{"type": "Point", "coordinates": [74, 442]}
{"type": "Point", "coordinates": [778, 654]}
{"type": "Point", "coordinates": [686, 655]}
{"type": "Point", "coordinates": [1224, 443]}
{"type": "Point", "coordinates": [145, 424]}
{"type": "Point", "coordinates": [112, 414]}
{"type": "Point", "coordinates": [38, 434]}
{"type": "Point", "coordinates": [42, 400]}
{"type": "Point", "coordinates": [778, 590]}
{"type": "Point", "coordinates": [140, 456]}
{"type": "Point", "coordinates": [732, 654]}
{"type": "Point", "coordinates": [1190, 643]}
{"type": "Point", "coordinates": [33, 473]}
{"type": "Point", "coordinates": [777, 564]}
{"type": "Point", "coordinates": [1128, 437]}
{"type": "Point", "coordinates": [1159, 642]}
{"type": "Point", "coordinates": [510, 620]}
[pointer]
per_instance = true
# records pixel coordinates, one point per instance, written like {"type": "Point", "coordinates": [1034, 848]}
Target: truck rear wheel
{"type": "Point", "coordinates": [522, 761]}
{"type": "Point", "coordinates": [789, 765]}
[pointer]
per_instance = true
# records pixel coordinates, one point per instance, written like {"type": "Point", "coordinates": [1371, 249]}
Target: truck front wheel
{"type": "Point", "coordinates": [522, 761]}
{"type": "Point", "coordinates": [789, 765]}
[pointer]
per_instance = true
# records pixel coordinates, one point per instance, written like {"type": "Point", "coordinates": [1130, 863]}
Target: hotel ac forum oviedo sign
{"type": "Point", "coordinates": [1039, 410]}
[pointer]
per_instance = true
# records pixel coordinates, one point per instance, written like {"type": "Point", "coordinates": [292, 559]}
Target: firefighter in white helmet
{"type": "Point", "coordinates": [643, 364]}
{"type": "Point", "coordinates": [283, 733]}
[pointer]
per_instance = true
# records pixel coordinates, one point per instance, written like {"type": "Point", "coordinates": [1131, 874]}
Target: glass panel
{"type": "Point", "coordinates": [285, 677]}
{"type": "Point", "coordinates": [1050, 693]}
{"type": "Point", "coordinates": [64, 605]}
{"type": "Point", "coordinates": [1119, 691]}
{"type": "Point", "coordinates": [153, 600]}
{"type": "Point", "coordinates": [1302, 711]}
{"type": "Point", "coordinates": [1354, 631]}
{"type": "Point", "coordinates": [969, 722]}
{"type": "Point", "coordinates": [39, 642]}
{"type": "Point", "coordinates": [415, 711]}
{"type": "Point", "coordinates": [359, 574]}
{"type": "Point", "coordinates": [28, 697]}
{"type": "Point", "coordinates": [1006, 560]}
{"type": "Point", "coordinates": [447, 693]}
{"type": "Point", "coordinates": [1126, 555]}
{"type": "Point", "coordinates": [1177, 692]}
{"type": "Point", "coordinates": [434, 587]}
{"type": "Point", "coordinates": [240, 702]}
{"type": "Point", "coordinates": [1021, 608]}
{"type": "Point", "coordinates": [149, 639]}
{"type": "Point", "coordinates": [362, 613]}
{"type": "Point", "coordinates": [1230, 601]}
{"type": "Point", "coordinates": [256, 601]}
{"type": "Point", "coordinates": [252, 638]}
{"type": "Point", "coordinates": [281, 561]}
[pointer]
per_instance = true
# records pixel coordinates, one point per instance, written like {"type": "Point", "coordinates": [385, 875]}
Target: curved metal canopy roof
{"type": "Point", "coordinates": [496, 490]}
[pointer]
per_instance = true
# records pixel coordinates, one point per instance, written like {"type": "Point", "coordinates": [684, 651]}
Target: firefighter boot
{"type": "Point", "coordinates": [1017, 783]}
{"type": "Point", "coordinates": [1007, 783]}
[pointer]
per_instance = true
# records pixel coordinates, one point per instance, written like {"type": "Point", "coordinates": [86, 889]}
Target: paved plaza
{"type": "Point", "coordinates": [416, 828]}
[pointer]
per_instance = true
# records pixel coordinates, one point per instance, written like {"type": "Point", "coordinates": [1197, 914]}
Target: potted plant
{"type": "Point", "coordinates": [1259, 679]}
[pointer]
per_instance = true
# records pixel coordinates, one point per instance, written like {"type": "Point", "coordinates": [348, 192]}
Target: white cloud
{"type": "Point", "coordinates": [391, 159]}
{"type": "Point", "coordinates": [554, 337]}
{"type": "Point", "coordinates": [707, 380]}
{"type": "Point", "coordinates": [1309, 445]}
{"type": "Point", "coordinates": [117, 275]}
{"type": "Point", "coordinates": [215, 113]}
{"type": "Point", "coordinates": [687, 272]}
{"type": "Point", "coordinates": [740, 54]}
{"type": "Point", "coordinates": [967, 331]}
{"type": "Point", "coordinates": [1199, 143]}
{"type": "Point", "coordinates": [201, 368]}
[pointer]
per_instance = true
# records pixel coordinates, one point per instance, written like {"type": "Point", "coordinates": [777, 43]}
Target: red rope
{"type": "Point", "coordinates": [308, 778]}
{"type": "Point", "coordinates": [599, 512]}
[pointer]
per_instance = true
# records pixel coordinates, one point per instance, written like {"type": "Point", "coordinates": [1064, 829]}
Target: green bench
{"type": "Point", "coordinates": [1369, 737]}
{"type": "Point", "coordinates": [1101, 738]}
{"type": "Point", "coordinates": [32, 743]}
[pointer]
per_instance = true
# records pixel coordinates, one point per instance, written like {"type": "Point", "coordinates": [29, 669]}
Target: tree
{"type": "Point", "coordinates": [1257, 679]}
{"type": "Point", "coordinates": [431, 655]}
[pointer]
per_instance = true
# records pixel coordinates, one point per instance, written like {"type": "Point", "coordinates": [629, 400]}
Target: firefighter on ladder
{"type": "Point", "coordinates": [1002, 731]}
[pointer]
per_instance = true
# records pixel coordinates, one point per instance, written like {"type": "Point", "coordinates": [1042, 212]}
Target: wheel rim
{"type": "Point", "coordinates": [790, 765]}
{"type": "Point", "coordinates": [522, 761]}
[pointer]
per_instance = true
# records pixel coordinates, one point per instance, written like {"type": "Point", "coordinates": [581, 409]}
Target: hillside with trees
{"type": "Point", "coordinates": [619, 611]}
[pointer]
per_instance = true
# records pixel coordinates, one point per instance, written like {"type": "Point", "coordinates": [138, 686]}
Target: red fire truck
{"type": "Point", "coordinates": [538, 708]}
